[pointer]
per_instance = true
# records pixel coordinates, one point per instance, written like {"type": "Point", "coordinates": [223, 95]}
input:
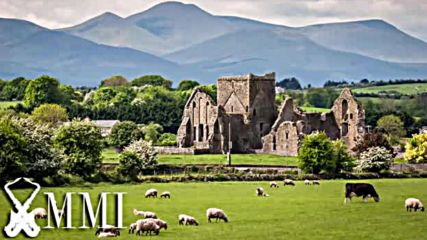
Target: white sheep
{"type": "Point", "coordinates": [165, 195]}
{"type": "Point", "coordinates": [108, 229]}
{"type": "Point", "coordinates": [216, 213]}
{"type": "Point", "coordinates": [148, 226]}
{"type": "Point", "coordinates": [307, 182]}
{"type": "Point", "coordinates": [132, 227]}
{"type": "Point", "coordinates": [316, 182]}
{"type": "Point", "coordinates": [273, 184]}
{"type": "Point", "coordinates": [289, 182]}
{"type": "Point", "coordinates": [151, 193]}
{"type": "Point", "coordinates": [160, 223]}
{"type": "Point", "coordinates": [39, 213]}
{"type": "Point", "coordinates": [107, 234]}
{"type": "Point", "coordinates": [413, 203]}
{"type": "Point", "coordinates": [184, 219]}
{"type": "Point", "coordinates": [146, 214]}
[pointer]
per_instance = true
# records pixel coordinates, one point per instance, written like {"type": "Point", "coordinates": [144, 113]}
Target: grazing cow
{"type": "Point", "coordinates": [364, 190]}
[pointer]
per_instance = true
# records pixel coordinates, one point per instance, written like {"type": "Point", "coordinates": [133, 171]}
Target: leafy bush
{"type": "Point", "coordinates": [81, 144]}
{"type": "Point", "coordinates": [375, 159]}
{"type": "Point", "coordinates": [167, 139]}
{"type": "Point", "coordinates": [135, 158]}
{"type": "Point", "coordinates": [416, 149]}
{"type": "Point", "coordinates": [50, 113]}
{"type": "Point", "coordinates": [318, 154]}
{"type": "Point", "coordinates": [124, 133]}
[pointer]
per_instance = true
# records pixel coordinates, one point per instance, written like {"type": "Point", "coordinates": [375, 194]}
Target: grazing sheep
{"type": "Point", "coordinates": [107, 234]}
{"type": "Point", "coordinates": [307, 182]}
{"type": "Point", "coordinates": [216, 213]}
{"type": "Point", "coordinates": [108, 229]}
{"type": "Point", "coordinates": [260, 191]}
{"type": "Point", "coordinates": [146, 214]}
{"type": "Point", "coordinates": [316, 182]}
{"type": "Point", "coordinates": [413, 203]}
{"type": "Point", "coordinates": [148, 226]}
{"type": "Point", "coordinates": [165, 195]}
{"type": "Point", "coordinates": [273, 184]}
{"type": "Point", "coordinates": [151, 193]}
{"type": "Point", "coordinates": [161, 223]}
{"type": "Point", "coordinates": [184, 219]}
{"type": "Point", "coordinates": [132, 228]}
{"type": "Point", "coordinates": [39, 213]}
{"type": "Point", "coordinates": [289, 182]}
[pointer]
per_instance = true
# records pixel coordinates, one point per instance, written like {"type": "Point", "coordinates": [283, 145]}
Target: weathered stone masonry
{"type": "Point", "coordinates": [246, 112]}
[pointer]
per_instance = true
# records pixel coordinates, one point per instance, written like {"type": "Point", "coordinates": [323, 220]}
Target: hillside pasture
{"type": "Point", "coordinates": [300, 212]}
{"type": "Point", "coordinates": [409, 89]}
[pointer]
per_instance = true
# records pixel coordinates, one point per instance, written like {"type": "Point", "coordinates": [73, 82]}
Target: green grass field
{"type": "Point", "coordinates": [110, 156]}
{"type": "Point", "coordinates": [315, 109]}
{"type": "Point", "coordinates": [300, 212]}
{"type": "Point", "coordinates": [4, 105]}
{"type": "Point", "coordinates": [410, 89]}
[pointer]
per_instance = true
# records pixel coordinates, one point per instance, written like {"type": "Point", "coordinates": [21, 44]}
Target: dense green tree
{"type": "Point", "coordinates": [138, 156]}
{"type": "Point", "coordinates": [211, 90]}
{"type": "Point", "coordinates": [81, 143]}
{"type": "Point", "coordinates": [289, 83]}
{"type": "Point", "coordinates": [322, 98]}
{"type": "Point", "coordinates": [13, 158]}
{"type": "Point", "coordinates": [152, 80]}
{"type": "Point", "coordinates": [50, 113]}
{"type": "Point", "coordinates": [14, 89]}
{"type": "Point", "coordinates": [114, 81]}
{"type": "Point", "coordinates": [392, 126]}
{"type": "Point", "coordinates": [41, 90]}
{"type": "Point", "coordinates": [124, 133]}
{"type": "Point", "coordinates": [187, 85]}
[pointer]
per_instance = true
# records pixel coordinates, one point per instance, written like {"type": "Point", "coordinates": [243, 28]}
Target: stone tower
{"type": "Point", "coordinates": [251, 99]}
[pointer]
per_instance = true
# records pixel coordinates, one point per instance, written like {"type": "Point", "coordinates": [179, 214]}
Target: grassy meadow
{"type": "Point", "coordinates": [111, 156]}
{"type": "Point", "coordinates": [409, 89]}
{"type": "Point", "coordinates": [300, 212]}
{"type": "Point", "coordinates": [315, 109]}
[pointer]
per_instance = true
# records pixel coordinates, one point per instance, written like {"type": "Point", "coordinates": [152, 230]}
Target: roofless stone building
{"type": "Point", "coordinates": [245, 113]}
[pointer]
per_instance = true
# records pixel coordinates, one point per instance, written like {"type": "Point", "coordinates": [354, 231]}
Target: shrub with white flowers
{"type": "Point", "coordinates": [375, 159]}
{"type": "Point", "coordinates": [138, 156]}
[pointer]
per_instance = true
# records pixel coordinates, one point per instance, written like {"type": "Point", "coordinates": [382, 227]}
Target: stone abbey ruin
{"type": "Point", "coordinates": [245, 118]}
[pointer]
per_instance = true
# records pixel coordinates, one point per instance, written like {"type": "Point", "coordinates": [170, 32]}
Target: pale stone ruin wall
{"type": "Point", "coordinates": [246, 112]}
{"type": "Point", "coordinates": [345, 121]}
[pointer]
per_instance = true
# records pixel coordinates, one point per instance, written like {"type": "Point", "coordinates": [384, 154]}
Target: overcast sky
{"type": "Point", "coordinates": [408, 15]}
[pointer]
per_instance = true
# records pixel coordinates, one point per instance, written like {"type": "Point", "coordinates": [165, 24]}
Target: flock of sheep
{"type": "Point", "coordinates": [150, 224]}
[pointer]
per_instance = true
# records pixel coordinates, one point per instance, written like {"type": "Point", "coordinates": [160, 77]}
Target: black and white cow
{"type": "Point", "coordinates": [364, 190]}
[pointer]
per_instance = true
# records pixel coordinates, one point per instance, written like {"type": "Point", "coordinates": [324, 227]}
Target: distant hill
{"type": "Point", "coordinates": [182, 41]}
{"type": "Point", "coordinates": [373, 38]}
{"type": "Point", "coordinates": [30, 51]}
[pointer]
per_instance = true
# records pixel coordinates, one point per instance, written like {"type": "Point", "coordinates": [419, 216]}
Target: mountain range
{"type": "Point", "coordinates": [182, 41]}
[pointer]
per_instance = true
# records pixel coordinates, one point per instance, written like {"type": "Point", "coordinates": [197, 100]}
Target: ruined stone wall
{"type": "Point", "coordinates": [345, 121]}
{"type": "Point", "coordinates": [350, 118]}
{"type": "Point", "coordinates": [198, 124]}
